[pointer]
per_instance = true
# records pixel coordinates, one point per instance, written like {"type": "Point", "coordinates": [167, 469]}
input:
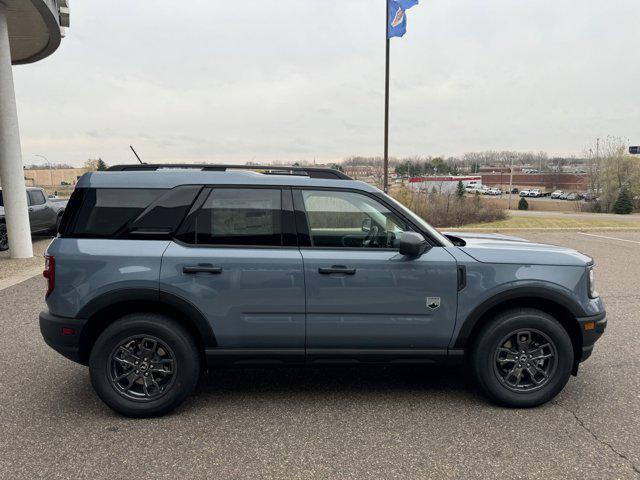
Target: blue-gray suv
{"type": "Point", "coordinates": [159, 272]}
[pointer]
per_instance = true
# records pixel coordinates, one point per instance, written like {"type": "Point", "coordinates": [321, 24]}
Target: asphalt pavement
{"type": "Point", "coordinates": [331, 423]}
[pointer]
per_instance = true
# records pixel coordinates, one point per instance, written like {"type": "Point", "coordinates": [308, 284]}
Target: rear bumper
{"type": "Point", "coordinates": [62, 334]}
{"type": "Point", "coordinates": [592, 329]}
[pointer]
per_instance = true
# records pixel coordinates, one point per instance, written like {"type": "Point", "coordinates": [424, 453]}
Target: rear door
{"type": "Point", "coordinates": [364, 299]}
{"type": "Point", "coordinates": [236, 259]}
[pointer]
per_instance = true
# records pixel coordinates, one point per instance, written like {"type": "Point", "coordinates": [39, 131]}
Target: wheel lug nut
{"type": "Point", "coordinates": [146, 374]}
{"type": "Point", "coordinates": [137, 371]}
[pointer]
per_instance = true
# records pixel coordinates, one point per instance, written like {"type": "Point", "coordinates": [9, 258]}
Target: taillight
{"type": "Point", "coordinates": [49, 273]}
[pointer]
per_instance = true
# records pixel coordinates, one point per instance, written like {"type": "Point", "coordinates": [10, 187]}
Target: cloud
{"type": "Point", "coordinates": [296, 80]}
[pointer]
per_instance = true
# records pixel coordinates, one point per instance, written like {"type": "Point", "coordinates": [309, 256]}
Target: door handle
{"type": "Point", "coordinates": [337, 269]}
{"type": "Point", "coordinates": [202, 269]}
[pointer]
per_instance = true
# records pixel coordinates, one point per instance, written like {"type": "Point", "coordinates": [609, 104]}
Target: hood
{"type": "Point", "coordinates": [497, 248]}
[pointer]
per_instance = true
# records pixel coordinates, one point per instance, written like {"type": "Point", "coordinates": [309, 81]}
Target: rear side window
{"type": "Point", "coordinates": [237, 216]}
{"type": "Point", "coordinates": [103, 212]}
{"type": "Point", "coordinates": [36, 197]}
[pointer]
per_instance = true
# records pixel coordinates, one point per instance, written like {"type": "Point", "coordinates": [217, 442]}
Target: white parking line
{"type": "Point", "coordinates": [16, 279]}
{"type": "Point", "coordinates": [609, 238]}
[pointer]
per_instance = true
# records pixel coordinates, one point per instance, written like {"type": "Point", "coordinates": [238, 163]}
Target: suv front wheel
{"type": "Point", "coordinates": [144, 365]}
{"type": "Point", "coordinates": [522, 358]}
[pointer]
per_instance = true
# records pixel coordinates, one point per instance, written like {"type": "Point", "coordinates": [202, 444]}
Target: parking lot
{"type": "Point", "coordinates": [331, 423]}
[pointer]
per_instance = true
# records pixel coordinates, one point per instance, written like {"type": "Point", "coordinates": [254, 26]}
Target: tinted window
{"type": "Point", "coordinates": [1, 201]}
{"type": "Point", "coordinates": [237, 216]}
{"type": "Point", "coordinates": [36, 197]}
{"type": "Point", "coordinates": [166, 214]}
{"type": "Point", "coordinates": [105, 211]}
{"type": "Point", "coordinates": [346, 219]}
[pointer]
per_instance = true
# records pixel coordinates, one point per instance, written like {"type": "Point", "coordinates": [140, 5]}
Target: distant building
{"type": "Point", "coordinates": [569, 182]}
{"type": "Point", "coordinates": [444, 184]}
{"type": "Point", "coordinates": [52, 178]}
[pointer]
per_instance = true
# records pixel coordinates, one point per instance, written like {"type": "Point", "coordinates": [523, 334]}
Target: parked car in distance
{"type": "Point", "coordinates": [590, 197]}
{"type": "Point", "coordinates": [573, 196]}
{"type": "Point", "coordinates": [557, 194]}
{"type": "Point", "coordinates": [494, 191]}
{"type": "Point", "coordinates": [535, 192]}
{"type": "Point", "coordinates": [160, 272]}
{"type": "Point", "coordinates": [44, 215]}
{"type": "Point", "coordinates": [525, 192]}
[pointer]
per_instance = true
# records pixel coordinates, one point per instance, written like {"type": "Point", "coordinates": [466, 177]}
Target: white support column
{"type": "Point", "coordinates": [11, 169]}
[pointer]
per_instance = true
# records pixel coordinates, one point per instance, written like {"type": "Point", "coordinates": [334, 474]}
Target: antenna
{"type": "Point", "coordinates": [136, 154]}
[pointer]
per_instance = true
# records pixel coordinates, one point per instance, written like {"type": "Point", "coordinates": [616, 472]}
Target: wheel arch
{"type": "Point", "coordinates": [561, 307]}
{"type": "Point", "coordinates": [106, 309]}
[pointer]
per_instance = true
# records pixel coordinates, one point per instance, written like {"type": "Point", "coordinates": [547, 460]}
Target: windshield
{"type": "Point", "coordinates": [432, 231]}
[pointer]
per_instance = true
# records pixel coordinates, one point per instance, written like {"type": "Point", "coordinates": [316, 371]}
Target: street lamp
{"type": "Point", "coordinates": [50, 170]}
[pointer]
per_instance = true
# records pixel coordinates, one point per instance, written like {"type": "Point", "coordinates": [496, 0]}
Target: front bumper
{"type": "Point", "coordinates": [592, 329]}
{"type": "Point", "coordinates": [62, 334]}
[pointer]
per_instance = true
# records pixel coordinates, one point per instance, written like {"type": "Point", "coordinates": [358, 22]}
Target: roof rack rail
{"type": "Point", "coordinates": [311, 172]}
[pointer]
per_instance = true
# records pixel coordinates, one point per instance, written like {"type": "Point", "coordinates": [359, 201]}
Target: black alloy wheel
{"type": "Point", "coordinates": [522, 358]}
{"type": "Point", "coordinates": [144, 364]}
{"type": "Point", "coordinates": [142, 368]}
{"type": "Point", "coordinates": [525, 360]}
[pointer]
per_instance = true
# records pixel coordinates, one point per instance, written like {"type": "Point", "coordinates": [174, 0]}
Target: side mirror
{"type": "Point", "coordinates": [413, 244]}
{"type": "Point", "coordinates": [366, 225]}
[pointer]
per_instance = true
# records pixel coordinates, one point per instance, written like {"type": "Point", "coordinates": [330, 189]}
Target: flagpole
{"type": "Point", "coordinates": [386, 102]}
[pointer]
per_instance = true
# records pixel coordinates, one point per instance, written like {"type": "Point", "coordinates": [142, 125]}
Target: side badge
{"type": "Point", "coordinates": [433, 303]}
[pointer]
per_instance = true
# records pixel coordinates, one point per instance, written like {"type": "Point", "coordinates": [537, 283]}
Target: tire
{"type": "Point", "coordinates": [496, 371]}
{"type": "Point", "coordinates": [4, 240]}
{"type": "Point", "coordinates": [131, 339]}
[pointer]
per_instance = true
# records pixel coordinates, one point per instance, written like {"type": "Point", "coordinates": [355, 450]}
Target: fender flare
{"type": "Point", "coordinates": [152, 297]}
{"type": "Point", "coordinates": [524, 292]}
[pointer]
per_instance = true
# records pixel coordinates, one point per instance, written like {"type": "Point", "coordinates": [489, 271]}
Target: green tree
{"type": "Point", "coordinates": [101, 165]}
{"type": "Point", "coordinates": [460, 189]}
{"type": "Point", "coordinates": [439, 166]}
{"type": "Point", "coordinates": [624, 202]}
{"type": "Point", "coordinates": [523, 204]}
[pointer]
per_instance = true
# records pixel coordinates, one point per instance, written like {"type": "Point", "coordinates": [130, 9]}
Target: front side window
{"type": "Point", "coordinates": [237, 216]}
{"type": "Point", "coordinates": [36, 197]}
{"type": "Point", "coordinates": [350, 220]}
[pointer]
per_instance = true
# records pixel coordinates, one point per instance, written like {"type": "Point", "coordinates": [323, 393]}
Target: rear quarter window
{"type": "Point", "coordinates": [105, 211]}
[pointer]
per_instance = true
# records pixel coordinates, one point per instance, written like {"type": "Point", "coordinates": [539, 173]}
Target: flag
{"type": "Point", "coordinates": [397, 26]}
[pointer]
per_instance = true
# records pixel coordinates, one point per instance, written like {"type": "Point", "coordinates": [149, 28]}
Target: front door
{"type": "Point", "coordinates": [363, 297]}
{"type": "Point", "coordinates": [234, 263]}
{"type": "Point", "coordinates": [38, 212]}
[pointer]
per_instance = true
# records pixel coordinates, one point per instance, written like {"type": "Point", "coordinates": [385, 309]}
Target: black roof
{"type": "Point", "coordinates": [311, 172]}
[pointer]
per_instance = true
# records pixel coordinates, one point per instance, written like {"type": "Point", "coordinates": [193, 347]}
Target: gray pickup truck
{"type": "Point", "coordinates": [44, 214]}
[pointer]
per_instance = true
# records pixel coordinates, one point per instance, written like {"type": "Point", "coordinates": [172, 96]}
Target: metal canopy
{"type": "Point", "coordinates": [35, 28]}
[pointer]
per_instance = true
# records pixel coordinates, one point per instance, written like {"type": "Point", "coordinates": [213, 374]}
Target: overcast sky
{"type": "Point", "coordinates": [263, 80]}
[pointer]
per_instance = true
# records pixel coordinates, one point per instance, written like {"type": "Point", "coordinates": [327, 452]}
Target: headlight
{"type": "Point", "coordinates": [592, 284]}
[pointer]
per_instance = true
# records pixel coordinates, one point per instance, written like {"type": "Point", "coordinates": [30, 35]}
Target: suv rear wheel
{"type": "Point", "coordinates": [144, 365]}
{"type": "Point", "coordinates": [522, 358]}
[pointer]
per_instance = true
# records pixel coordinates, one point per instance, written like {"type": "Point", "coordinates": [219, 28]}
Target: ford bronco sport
{"type": "Point", "coordinates": [159, 272]}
